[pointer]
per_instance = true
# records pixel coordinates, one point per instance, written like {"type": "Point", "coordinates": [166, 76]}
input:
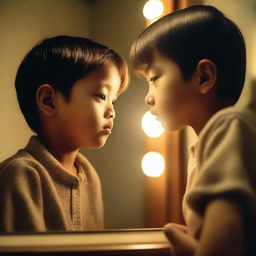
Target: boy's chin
{"type": "Point", "coordinates": [99, 144]}
{"type": "Point", "coordinates": [95, 144]}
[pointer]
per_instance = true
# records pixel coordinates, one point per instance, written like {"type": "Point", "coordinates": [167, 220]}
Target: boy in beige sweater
{"type": "Point", "coordinates": [195, 61]}
{"type": "Point", "coordinates": [66, 88]}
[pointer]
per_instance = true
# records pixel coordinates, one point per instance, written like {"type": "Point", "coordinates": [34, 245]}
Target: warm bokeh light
{"type": "Point", "coordinates": [151, 126]}
{"type": "Point", "coordinates": [153, 164]}
{"type": "Point", "coordinates": [153, 9]}
{"type": "Point", "coordinates": [253, 57]}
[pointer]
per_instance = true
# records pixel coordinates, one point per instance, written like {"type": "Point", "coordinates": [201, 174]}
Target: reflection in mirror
{"type": "Point", "coordinates": [50, 18]}
{"type": "Point", "coordinates": [128, 195]}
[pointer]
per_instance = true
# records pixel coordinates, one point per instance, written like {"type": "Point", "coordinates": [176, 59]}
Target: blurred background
{"type": "Point", "coordinates": [131, 198]}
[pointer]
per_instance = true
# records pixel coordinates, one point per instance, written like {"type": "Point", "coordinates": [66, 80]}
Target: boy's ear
{"type": "Point", "coordinates": [45, 97]}
{"type": "Point", "coordinates": [207, 73]}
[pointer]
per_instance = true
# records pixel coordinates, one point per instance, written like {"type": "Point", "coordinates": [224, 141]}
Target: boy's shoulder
{"type": "Point", "coordinates": [21, 160]}
{"type": "Point", "coordinates": [19, 173]}
{"type": "Point", "coordinates": [243, 117]}
{"type": "Point", "coordinates": [229, 125]}
{"type": "Point", "coordinates": [37, 163]}
{"type": "Point", "coordinates": [26, 163]}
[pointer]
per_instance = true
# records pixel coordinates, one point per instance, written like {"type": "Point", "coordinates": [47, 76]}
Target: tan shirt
{"type": "Point", "coordinates": [37, 194]}
{"type": "Point", "coordinates": [223, 163]}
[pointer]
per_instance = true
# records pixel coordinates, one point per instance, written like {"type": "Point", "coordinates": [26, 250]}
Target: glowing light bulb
{"type": "Point", "coordinates": [151, 126]}
{"type": "Point", "coordinates": [153, 9]}
{"type": "Point", "coordinates": [153, 164]}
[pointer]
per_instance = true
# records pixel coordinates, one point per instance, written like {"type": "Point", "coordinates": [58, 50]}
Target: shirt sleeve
{"type": "Point", "coordinates": [21, 201]}
{"type": "Point", "coordinates": [226, 165]}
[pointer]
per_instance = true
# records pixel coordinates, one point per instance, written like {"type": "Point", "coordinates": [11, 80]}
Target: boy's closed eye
{"type": "Point", "coordinates": [153, 79]}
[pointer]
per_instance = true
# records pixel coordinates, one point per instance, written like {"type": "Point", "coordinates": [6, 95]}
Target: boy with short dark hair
{"type": "Point", "coordinates": [66, 88]}
{"type": "Point", "coordinates": [195, 60]}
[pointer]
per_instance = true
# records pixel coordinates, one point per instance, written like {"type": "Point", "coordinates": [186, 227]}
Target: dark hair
{"type": "Point", "coordinates": [195, 33]}
{"type": "Point", "coordinates": [61, 61]}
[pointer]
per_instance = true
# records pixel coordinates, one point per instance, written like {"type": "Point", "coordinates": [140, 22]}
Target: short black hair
{"type": "Point", "coordinates": [61, 61]}
{"type": "Point", "coordinates": [191, 34]}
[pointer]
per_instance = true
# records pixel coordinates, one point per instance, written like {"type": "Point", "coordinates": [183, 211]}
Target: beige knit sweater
{"type": "Point", "coordinates": [37, 194]}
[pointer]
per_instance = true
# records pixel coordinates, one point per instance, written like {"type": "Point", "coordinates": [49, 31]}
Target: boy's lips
{"type": "Point", "coordinates": [108, 127]}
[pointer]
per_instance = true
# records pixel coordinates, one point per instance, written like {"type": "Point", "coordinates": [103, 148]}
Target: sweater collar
{"type": "Point", "coordinates": [49, 162]}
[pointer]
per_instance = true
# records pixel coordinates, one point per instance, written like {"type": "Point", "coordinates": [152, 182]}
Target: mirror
{"type": "Point", "coordinates": [115, 23]}
{"type": "Point", "coordinates": [110, 22]}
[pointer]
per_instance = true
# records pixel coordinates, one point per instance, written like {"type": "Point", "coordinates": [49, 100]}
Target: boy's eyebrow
{"type": "Point", "coordinates": [152, 68]}
{"type": "Point", "coordinates": [104, 85]}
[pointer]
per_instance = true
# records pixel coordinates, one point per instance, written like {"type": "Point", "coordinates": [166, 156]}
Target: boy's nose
{"type": "Point", "coordinates": [113, 114]}
{"type": "Point", "coordinates": [149, 100]}
{"type": "Point", "coordinates": [110, 112]}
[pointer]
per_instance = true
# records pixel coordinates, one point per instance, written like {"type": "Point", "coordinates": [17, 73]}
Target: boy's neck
{"type": "Point", "coordinates": [65, 156]}
{"type": "Point", "coordinates": [210, 110]}
{"type": "Point", "coordinates": [67, 160]}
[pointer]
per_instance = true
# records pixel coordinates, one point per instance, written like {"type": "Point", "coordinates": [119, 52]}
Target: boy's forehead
{"type": "Point", "coordinates": [104, 74]}
{"type": "Point", "coordinates": [159, 62]}
{"type": "Point", "coordinates": [109, 78]}
{"type": "Point", "coordinates": [150, 68]}
{"type": "Point", "coordinates": [107, 69]}
{"type": "Point", "coordinates": [154, 66]}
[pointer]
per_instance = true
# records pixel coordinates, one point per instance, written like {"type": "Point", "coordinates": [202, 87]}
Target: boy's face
{"type": "Point", "coordinates": [86, 120]}
{"type": "Point", "coordinates": [171, 99]}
